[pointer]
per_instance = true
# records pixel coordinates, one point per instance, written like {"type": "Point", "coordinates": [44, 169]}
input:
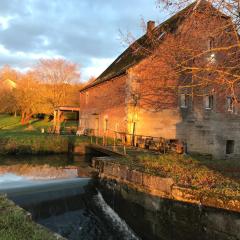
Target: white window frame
{"type": "Point", "coordinates": [183, 101]}
{"type": "Point", "coordinates": [230, 104]}
{"type": "Point", "coordinates": [211, 43]}
{"type": "Point", "coordinates": [208, 102]}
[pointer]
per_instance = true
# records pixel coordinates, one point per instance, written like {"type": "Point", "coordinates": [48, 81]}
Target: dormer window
{"type": "Point", "coordinates": [208, 101]}
{"type": "Point", "coordinates": [183, 101]}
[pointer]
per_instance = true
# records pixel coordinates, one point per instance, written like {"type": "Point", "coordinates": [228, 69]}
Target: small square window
{"type": "Point", "coordinates": [209, 102]}
{"type": "Point", "coordinates": [183, 101]}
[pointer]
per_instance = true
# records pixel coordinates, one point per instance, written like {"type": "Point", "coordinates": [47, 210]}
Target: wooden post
{"type": "Point", "coordinates": [54, 120]}
{"type": "Point", "coordinates": [133, 134]}
{"type": "Point", "coordinates": [106, 138]}
{"type": "Point", "coordinates": [58, 122]}
{"type": "Point", "coordinates": [164, 148]}
{"type": "Point", "coordinates": [114, 142]}
{"type": "Point", "coordinates": [124, 150]}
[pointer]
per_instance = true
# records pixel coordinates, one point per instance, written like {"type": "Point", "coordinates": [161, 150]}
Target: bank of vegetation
{"type": "Point", "coordinates": [208, 176]}
{"type": "Point", "coordinates": [16, 224]}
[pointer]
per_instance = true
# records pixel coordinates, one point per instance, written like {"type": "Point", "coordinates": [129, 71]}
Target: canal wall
{"type": "Point", "coordinates": [158, 209]}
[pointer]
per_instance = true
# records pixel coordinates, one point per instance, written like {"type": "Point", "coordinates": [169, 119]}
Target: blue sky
{"type": "Point", "coordinates": [83, 31]}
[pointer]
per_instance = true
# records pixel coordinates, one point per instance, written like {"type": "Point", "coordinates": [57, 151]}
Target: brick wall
{"type": "Point", "coordinates": [104, 105]}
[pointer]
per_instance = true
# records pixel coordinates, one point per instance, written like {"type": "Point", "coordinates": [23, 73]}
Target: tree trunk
{"type": "Point", "coordinates": [25, 118]}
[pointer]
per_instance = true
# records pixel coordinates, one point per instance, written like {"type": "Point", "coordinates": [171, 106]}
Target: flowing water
{"type": "Point", "coordinates": [60, 195]}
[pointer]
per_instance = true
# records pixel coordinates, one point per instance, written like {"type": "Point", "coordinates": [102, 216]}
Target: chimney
{"type": "Point", "coordinates": [150, 27]}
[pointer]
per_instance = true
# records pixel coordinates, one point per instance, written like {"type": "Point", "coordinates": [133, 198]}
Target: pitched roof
{"type": "Point", "coordinates": [130, 58]}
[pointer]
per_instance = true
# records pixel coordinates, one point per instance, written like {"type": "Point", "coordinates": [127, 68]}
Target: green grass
{"type": "Point", "coordinates": [196, 172]}
{"type": "Point", "coordinates": [18, 139]}
{"type": "Point", "coordinates": [16, 225]}
{"type": "Point", "coordinates": [9, 122]}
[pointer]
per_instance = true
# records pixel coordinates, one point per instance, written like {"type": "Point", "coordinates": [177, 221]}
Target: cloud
{"type": "Point", "coordinates": [85, 32]}
{"type": "Point", "coordinates": [96, 67]}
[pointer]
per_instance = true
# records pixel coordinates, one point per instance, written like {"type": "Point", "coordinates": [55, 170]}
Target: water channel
{"type": "Point", "coordinates": [60, 194]}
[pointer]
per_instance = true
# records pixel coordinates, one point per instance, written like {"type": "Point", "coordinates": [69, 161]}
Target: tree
{"type": "Point", "coordinates": [230, 8]}
{"type": "Point", "coordinates": [8, 81]}
{"type": "Point", "coordinates": [196, 52]}
{"type": "Point", "coordinates": [29, 97]}
{"type": "Point", "coordinates": [57, 76]}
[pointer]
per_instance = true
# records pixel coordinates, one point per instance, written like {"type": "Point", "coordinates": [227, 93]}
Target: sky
{"type": "Point", "coordinates": [86, 32]}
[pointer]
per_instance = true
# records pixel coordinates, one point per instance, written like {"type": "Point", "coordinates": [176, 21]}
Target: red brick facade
{"type": "Point", "coordinates": [104, 106]}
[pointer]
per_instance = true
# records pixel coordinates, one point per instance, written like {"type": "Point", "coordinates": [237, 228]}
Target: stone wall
{"type": "Point", "coordinates": [208, 130]}
{"type": "Point", "coordinates": [163, 210]}
{"type": "Point", "coordinates": [159, 186]}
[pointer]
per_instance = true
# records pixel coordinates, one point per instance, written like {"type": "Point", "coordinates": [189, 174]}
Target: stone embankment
{"type": "Point", "coordinates": [159, 186]}
{"type": "Point", "coordinates": [164, 210]}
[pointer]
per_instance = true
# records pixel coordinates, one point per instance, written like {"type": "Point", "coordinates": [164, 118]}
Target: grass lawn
{"type": "Point", "coordinates": [11, 123]}
{"type": "Point", "coordinates": [16, 225]}
{"type": "Point", "coordinates": [196, 172]}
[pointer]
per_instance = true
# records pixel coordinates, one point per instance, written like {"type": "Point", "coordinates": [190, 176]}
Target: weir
{"type": "Point", "coordinates": [40, 192]}
{"type": "Point", "coordinates": [70, 207]}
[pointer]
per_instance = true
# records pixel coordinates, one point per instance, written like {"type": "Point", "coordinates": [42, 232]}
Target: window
{"type": "Point", "coordinates": [209, 102]}
{"type": "Point", "coordinates": [105, 124]}
{"type": "Point", "coordinates": [97, 124]}
{"type": "Point", "coordinates": [210, 43]}
{"type": "Point", "coordinates": [230, 104]}
{"type": "Point", "coordinates": [87, 97]}
{"type": "Point", "coordinates": [183, 101]}
{"type": "Point", "coordinates": [230, 146]}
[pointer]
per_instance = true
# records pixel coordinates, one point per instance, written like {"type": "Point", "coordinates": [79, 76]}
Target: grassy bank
{"type": "Point", "coordinates": [208, 176]}
{"type": "Point", "coordinates": [16, 225]}
{"type": "Point", "coordinates": [28, 139]}
{"type": "Point", "coordinates": [36, 143]}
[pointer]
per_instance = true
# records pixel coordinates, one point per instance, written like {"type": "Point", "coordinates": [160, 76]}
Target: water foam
{"type": "Point", "coordinates": [10, 177]}
{"type": "Point", "coordinates": [110, 214]}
